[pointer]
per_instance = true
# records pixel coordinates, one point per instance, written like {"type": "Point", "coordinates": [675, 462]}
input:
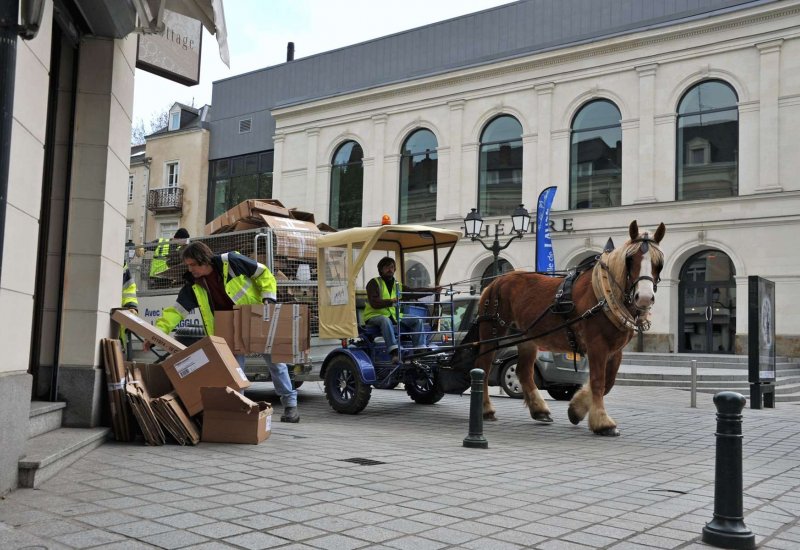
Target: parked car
{"type": "Point", "coordinates": [554, 372]}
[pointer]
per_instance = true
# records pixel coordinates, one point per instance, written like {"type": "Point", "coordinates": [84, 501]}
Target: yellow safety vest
{"type": "Point", "coordinates": [390, 311]}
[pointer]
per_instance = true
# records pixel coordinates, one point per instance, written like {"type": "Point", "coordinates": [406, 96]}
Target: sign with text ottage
{"type": "Point", "coordinates": [281, 330]}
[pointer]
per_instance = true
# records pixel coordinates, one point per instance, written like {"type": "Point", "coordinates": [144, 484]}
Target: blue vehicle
{"type": "Point", "coordinates": [346, 260]}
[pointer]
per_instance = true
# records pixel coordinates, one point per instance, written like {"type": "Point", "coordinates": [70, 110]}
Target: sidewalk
{"type": "Point", "coordinates": [315, 485]}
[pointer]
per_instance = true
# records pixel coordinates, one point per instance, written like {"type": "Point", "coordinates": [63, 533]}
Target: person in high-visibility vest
{"type": "Point", "coordinates": [380, 310]}
{"type": "Point", "coordinates": [217, 282]}
{"type": "Point", "coordinates": [129, 298]}
{"type": "Point", "coordinates": [161, 253]}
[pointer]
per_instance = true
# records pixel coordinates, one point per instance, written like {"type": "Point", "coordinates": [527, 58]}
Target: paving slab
{"type": "Point", "coordinates": [537, 486]}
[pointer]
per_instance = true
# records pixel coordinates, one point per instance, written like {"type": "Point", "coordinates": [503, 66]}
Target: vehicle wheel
{"type": "Point", "coordinates": [422, 387]}
{"type": "Point", "coordinates": [345, 391]}
{"type": "Point", "coordinates": [509, 380]}
{"type": "Point", "coordinates": [297, 383]}
{"type": "Point", "coordinates": [562, 393]}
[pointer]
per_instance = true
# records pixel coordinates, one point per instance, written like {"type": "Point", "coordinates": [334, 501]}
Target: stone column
{"type": "Point", "coordinates": [645, 187]}
{"type": "Point", "coordinates": [312, 143]}
{"type": "Point", "coordinates": [544, 107]}
{"type": "Point", "coordinates": [96, 232]}
{"type": "Point", "coordinates": [664, 170]}
{"type": "Point", "coordinates": [452, 203]}
{"type": "Point", "coordinates": [749, 138]}
{"type": "Point", "coordinates": [529, 190]}
{"type": "Point", "coordinates": [277, 164]}
{"type": "Point", "coordinates": [631, 135]}
{"type": "Point", "coordinates": [377, 192]}
{"type": "Point", "coordinates": [769, 89]}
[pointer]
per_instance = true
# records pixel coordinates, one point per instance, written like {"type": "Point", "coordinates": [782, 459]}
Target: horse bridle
{"type": "Point", "coordinates": [647, 242]}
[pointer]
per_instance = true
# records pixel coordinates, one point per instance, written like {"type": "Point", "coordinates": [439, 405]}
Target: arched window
{"type": "Point", "coordinates": [347, 182]}
{"type": "Point", "coordinates": [595, 166]}
{"type": "Point", "coordinates": [418, 163]}
{"type": "Point", "coordinates": [417, 275]}
{"type": "Point", "coordinates": [500, 178]}
{"type": "Point", "coordinates": [503, 266]}
{"type": "Point", "coordinates": [708, 142]}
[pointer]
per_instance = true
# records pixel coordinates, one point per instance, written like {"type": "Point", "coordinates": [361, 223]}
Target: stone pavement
{"type": "Point", "coordinates": [548, 487]}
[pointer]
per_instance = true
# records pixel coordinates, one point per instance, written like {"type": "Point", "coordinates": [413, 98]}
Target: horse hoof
{"type": "Point", "coordinates": [542, 417]}
{"type": "Point", "coordinates": [611, 432]}
{"type": "Point", "coordinates": [573, 417]}
{"type": "Point", "coordinates": [489, 416]}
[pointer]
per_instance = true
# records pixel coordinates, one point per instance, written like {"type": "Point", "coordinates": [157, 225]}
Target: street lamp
{"type": "Point", "coordinates": [473, 224]}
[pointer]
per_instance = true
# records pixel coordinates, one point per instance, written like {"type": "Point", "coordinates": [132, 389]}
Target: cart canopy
{"type": "Point", "coordinates": [341, 257]}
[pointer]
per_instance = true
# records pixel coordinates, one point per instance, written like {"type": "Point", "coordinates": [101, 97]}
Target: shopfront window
{"type": "Point", "coordinates": [236, 179]}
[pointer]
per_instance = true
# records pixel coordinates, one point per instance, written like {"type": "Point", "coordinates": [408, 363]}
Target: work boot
{"type": "Point", "coordinates": [290, 414]}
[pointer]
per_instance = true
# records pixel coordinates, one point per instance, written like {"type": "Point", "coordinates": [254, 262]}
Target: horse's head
{"type": "Point", "coordinates": [643, 263]}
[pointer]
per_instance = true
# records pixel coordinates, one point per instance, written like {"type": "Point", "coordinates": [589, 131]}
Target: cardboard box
{"type": "Point", "coordinates": [294, 238]}
{"type": "Point", "coordinates": [301, 215]}
{"type": "Point", "coordinates": [252, 207]}
{"type": "Point", "coordinates": [281, 330]}
{"type": "Point", "coordinates": [207, 363]}
{"type": "Point", "coordinates": [146, 331]}
{"type": "Point", "coordinates": [228, 325]}
{"type": "Point", "coordinates": [230, 417]}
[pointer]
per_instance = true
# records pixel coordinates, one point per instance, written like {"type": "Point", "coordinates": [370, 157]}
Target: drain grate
{"type": "Point", "coordinates": [362, 461]}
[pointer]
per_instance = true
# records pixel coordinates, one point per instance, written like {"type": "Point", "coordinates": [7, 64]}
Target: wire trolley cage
{"type": "Point", "coordinates": [291, 255]}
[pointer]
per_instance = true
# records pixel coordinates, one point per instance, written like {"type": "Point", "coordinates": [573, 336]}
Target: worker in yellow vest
{"type": "Point", "coordinates": [217, 282]}
{"type": "Point", "coordinates": [162, 259]}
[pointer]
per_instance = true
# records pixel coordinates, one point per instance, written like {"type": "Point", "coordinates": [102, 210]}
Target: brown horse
{"type": "Point", "coordinates": [610, 300]}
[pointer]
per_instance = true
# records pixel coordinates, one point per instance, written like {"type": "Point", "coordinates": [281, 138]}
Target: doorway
{"type": "Point", "coordinates": [707, 297]}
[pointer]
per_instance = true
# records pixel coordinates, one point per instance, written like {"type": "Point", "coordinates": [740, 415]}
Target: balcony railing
{"type": "Point", "coordinates": [166, 199]}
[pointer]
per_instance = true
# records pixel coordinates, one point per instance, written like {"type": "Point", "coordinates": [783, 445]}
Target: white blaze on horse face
{"type": "Point", "coordinates": [645, 294]}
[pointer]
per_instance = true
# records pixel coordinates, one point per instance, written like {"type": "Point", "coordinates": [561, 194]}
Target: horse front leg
{"type": "Point", "coordinates": [484, 362]}
{"type": "Point", "coordinates": [533, 399]}
{"type": "Point", "coordinates": [590, 398]}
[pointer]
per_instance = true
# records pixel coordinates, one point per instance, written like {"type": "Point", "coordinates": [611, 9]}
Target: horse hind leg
{"type": "Point", "coordinates": [531, 396]}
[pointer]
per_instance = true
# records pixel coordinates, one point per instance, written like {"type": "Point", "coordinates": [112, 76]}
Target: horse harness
{"type": "Point", "coordinates": [563, 305]}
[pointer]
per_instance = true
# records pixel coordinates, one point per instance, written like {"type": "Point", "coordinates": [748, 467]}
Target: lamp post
{"type": "Point", "coordinates": [473, 224]}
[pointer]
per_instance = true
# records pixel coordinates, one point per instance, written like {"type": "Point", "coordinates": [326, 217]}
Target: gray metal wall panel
{"type": "Point", "coordinates": [502, 32]}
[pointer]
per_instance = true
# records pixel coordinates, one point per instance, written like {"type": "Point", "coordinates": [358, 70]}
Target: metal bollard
{"type": "Point", "coordinates": [693, 399]}
{"type": "Point", "coordinates": [727, 529]}
{"type": "Point", "coordinates": [475, 438]}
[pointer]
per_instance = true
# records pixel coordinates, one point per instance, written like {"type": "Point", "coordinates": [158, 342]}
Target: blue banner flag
{"type": "Point", "coordinates": [545, 259]}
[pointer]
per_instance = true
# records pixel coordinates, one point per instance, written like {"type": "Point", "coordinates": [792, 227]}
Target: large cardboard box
{"type": "Point", "coordinates": [207, 363]}
{"type": "Point", "coordinates": [228, 325]}
{"type": "Point", "coordinates": [252, 207]}
{"type": "Point", "coordinates": [230, 417]}
{"type": "Point", "coordinates": [281, 330]}
{"type": "Point", "coordinates": [146, 331]}
{"type": "Point", "coordinates": [296, 239]}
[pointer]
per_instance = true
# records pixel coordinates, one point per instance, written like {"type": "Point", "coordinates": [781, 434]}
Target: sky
{"type": "Point", "coordinates": [259, 30]}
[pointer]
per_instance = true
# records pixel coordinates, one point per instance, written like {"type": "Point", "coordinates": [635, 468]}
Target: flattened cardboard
{"type": "Point", "coordinates": [206, 363]}
{"type": "Point", "coordinates": [230, 417]}
{"type": "Point", "coordinates": [172, 416]}
{"type": "Point", "coordinates": [146, 331]}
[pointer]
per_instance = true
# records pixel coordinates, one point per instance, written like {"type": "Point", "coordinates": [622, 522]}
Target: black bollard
{"type": "Point", "coordinates": [727, 529]}
{"type": "Point", "coordinates": [475, 438]}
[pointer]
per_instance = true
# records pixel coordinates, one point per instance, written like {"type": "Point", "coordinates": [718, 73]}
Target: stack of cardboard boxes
{"type": "Point", "coordinates": [205, 378]}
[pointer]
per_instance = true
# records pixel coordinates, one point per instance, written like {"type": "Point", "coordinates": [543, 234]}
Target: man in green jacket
{"type": "Point", "coordinates": [217, 282]}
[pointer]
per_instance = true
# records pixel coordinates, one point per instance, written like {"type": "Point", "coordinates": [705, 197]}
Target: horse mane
{"type": "Point", "coordinates": [617, 257]}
